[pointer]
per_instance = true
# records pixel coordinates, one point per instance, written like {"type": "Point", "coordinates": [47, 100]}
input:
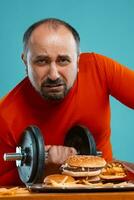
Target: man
{"type": "Point", "coordinates": [63, 88]}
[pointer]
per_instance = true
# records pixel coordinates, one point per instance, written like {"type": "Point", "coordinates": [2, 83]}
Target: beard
{"type": "Point", "coordinates": [54, 89]}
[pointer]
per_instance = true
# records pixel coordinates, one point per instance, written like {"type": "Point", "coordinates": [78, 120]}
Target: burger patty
{"type": "Point", "coordinates": [81, 169]}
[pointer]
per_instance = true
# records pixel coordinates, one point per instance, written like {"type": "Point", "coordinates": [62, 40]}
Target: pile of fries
{"type": "Point", "coordinates": [12, 191]}
{"type": "Point", "coordinates": [113, 170]}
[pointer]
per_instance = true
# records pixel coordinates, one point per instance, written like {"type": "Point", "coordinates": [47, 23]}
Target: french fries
{"type": "Point", "coordinates": [113, 170]}
{"type": "Point", "coordinates": [12, 191]}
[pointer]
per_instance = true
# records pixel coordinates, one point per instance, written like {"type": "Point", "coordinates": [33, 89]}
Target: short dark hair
{"type": "Point", "coordinates": [55, 24]}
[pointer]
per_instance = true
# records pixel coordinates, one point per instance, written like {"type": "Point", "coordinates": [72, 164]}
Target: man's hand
{"type": "Point", "coordinates": [58, 154]}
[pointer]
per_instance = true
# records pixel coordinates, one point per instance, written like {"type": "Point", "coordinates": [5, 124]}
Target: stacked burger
{"type": "Point", "coordinates": [77, 170]}
{"type": "Point", "coordinates": [84, 167]}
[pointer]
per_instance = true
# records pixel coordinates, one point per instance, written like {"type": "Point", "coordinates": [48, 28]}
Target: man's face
{"type": "Point", "coordinates": [51, 61]}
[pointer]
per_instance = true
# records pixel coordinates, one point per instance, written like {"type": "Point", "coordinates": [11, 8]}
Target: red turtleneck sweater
{"type": "Point", "coordinates": [86, 104]}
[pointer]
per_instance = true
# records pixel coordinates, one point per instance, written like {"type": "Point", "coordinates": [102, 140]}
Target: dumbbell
{"type": "Point", "coordinates": [30, 155]}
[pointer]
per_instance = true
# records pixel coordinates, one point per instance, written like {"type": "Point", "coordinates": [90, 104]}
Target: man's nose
{"type": "Point", "coordinates": [53, 73]}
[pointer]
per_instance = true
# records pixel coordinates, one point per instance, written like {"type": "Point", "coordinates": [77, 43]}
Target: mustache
{"type": "Point", "coordinates": [49, 82]}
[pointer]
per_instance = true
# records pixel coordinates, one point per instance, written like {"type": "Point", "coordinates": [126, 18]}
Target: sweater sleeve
{"type": "Point", "coordinates": [10, 178]}
{"type": "Point", "coordinates": [8, 170]}
{"type": "Point", "coordinates": [119, 79]}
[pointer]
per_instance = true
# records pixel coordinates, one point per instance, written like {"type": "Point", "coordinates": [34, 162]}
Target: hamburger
{"type": "Point", "coordinates": [58, 179]}
{"type": "Point", "coordinates": [83, 166]}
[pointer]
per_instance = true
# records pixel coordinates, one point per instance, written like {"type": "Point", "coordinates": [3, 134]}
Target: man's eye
{"type": "Point", "coordinates": [41, 62]}
{"type": "Point", "coordinates": [63, 61]}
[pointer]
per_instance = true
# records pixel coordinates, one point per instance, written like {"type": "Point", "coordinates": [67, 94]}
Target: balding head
{"type": "Point", "coordinates": [54, 24]}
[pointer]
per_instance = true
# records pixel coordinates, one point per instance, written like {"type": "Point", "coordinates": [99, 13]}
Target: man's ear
{"type": "Point", "coordinates": [24, 59]}
{"type": "Point", "coordinates": [78, 63]}
{"type": "Point", "coordinates": [25, 62]}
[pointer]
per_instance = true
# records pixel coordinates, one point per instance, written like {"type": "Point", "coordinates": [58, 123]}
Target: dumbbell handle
{"type": "Point", "coordinates": [17, 156]}
{"type": "Point", "coordinates": [13, 156]}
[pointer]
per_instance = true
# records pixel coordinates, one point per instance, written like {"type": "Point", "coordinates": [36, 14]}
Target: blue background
{"type": "Point", "coordinates": [105, 26]}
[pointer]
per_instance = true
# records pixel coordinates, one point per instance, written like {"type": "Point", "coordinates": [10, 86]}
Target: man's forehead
{"type": "Point", "coordinates": [43, 37]}
{"type": "Point", "coordinates": [50, 40]}
{"type": "Point", "coordinates": [47, 28]}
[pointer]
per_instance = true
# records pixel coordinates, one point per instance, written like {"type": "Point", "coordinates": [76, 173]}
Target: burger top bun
{"type": "Point", "coordinates": [58, 178]}
{"type": "Point", "coordinates": [85, 161]}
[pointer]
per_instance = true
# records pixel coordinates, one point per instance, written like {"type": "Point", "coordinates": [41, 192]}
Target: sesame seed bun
{"type": "Point", "coordinates": [86, 161]}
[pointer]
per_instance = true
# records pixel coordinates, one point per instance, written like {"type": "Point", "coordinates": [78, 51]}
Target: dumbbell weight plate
{"type": "Point", "coordinates": [32, 167]}
{"type": "Point", "coordinates": [81, 139]}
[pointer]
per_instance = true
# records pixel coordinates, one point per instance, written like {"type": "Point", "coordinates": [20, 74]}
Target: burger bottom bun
{"type": "Point", "coordinates": [58, 178]}
{"type": "Point", "coordinates": [81, 174]}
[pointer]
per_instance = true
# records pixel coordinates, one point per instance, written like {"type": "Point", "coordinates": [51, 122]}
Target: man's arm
{"type": "Point", "coordinates": [118, 79]}
{"type": "Point", "coordinates": [8, 170]}
{"type": "Point", "coordinates": [10, 178]}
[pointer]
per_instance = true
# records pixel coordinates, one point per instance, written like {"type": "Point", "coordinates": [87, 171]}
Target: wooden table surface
{"type": "Point", "coordinates": [128, 195]}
